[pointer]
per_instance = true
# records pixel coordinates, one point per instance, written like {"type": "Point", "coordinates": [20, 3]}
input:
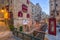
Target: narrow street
{"type": "Point", "coordinates": [29, 19]}
{"type": "Point", "coordinates": [7, 35]}
{"type": "Point", "coordinates": [52, 37]}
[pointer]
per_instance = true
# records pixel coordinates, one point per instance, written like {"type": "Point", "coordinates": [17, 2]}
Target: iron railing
{"type": "Point", "coordinates": [25, 36]}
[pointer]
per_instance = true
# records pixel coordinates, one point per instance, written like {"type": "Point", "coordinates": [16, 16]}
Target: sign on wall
{"type": "Point", "coordinates": [52, 26]}
{"type": "Point", "coordinates": [25, 22]}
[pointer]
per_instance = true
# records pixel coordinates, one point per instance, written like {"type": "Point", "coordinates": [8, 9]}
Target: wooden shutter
{"type": "Point", "coordinates": [20, 14]}
{"type": "Point", "coordinates": [28, 15]}
{"type": "Point", "coordinates": [24, 8]}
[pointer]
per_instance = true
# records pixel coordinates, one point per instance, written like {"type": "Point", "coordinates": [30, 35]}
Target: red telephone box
{"type": "Point", "coordinates": [52, 26]}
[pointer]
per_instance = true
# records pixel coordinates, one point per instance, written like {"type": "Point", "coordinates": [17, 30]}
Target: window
{"type": "Point", "coordinates": [20, 14]}
{"type": "Point", "coordinates": [7, 7]}
{"type": "Point", "coordinates": [32, 9]}
{"type": "Point", "coordinates": [53, 10]}
{"type": "Point", "coordinates": [24, 8]}
{"type": "Point", "coordinates": [51, 14]}
{"type": "Point", "coordinates": [11, 1]}
{"type": "Point", "coordinates": [56, 4]}
{"type": "Point", "coordinates": [57, 13]}
{"type": "Point", "coordinates": [27, 1]}
{"type": "Point", "coordinates": [51, 4]}
{"type": "Point", "coordinates": [28, 15]}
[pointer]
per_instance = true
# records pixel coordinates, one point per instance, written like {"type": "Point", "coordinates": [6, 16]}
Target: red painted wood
{"type": "Point", "coordinates": [28, 15]}
{"type": "Point", "coordinates": [50, 27]}
{"type": "Point", "coordinates": [20, 14]}
{"type": "Point", "coordinates": [24, 8]}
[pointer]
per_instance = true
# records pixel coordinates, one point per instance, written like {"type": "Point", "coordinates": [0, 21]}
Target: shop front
{"type": "Point", "coordinates": [3, 20]}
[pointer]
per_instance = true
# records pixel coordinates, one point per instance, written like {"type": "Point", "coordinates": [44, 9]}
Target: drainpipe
{"type": "Point", "coordinates": [55, 8]}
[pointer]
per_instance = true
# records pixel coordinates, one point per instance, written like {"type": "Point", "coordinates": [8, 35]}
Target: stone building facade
{"type": "Point", "coordinates": [36, 11]}
{"type": "Point", "coordinates": [55, 7]}
{"type": "Point", "coordinates": [22, 14]}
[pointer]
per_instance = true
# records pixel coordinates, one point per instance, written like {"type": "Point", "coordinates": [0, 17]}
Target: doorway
{"type": "Point", "coordinates": [3, 22]}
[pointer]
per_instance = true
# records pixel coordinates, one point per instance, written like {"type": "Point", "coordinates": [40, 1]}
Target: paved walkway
{"type": "Point", "coordinates": [7, 35]}
{"type": "Point", "coordinates": [51, 37]}
{"type": "Point", "coordinates": [13, 38]}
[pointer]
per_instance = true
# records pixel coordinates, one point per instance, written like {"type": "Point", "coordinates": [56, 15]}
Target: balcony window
{"type": "Point", "coordinates": [20, 14]}
{"type": "Point", "coordinates": [24, 8]}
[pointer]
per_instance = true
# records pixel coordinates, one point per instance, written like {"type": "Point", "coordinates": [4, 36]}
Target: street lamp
{"type": "Point", "coordinates": [2, 10]}
{"type": "Point", "coordinates": [5, 13]}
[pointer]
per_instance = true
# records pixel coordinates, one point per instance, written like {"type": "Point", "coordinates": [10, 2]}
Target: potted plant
{"type": "Point", "coordinates": [11, 27]}
{"type": "Point", "coordinates": [21, 28]}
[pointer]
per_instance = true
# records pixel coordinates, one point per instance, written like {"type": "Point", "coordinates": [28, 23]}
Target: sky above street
{"type": "Point", "coordinates": [44, 5]}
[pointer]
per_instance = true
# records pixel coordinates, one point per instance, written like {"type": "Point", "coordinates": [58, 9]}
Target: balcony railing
{"type": "Point", "coordinates": [25, 36]}
{"type": "Point", "coordinates": [37, 35]}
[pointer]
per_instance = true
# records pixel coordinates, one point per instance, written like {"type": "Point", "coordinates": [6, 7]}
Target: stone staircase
{"type": "Point", "coordinates": [5, 33]}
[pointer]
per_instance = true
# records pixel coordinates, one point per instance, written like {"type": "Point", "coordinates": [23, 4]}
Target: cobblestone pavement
{"type": "Point", "coordinates": [7, 35]}
{"type": "Point", "coordinates": [14, 38]}
{"type": "Point", "coordinates": [51, 37]}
